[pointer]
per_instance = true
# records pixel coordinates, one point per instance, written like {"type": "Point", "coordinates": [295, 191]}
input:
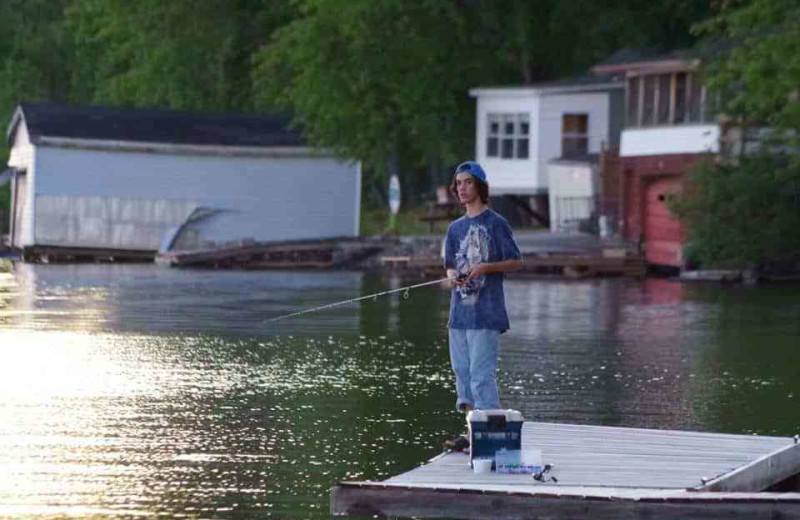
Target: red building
{"type": "Point", "coordinates": [668, 129]}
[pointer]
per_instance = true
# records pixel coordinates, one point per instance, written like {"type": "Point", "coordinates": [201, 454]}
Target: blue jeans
{"type": "Point", "coordinates": [473, 356]}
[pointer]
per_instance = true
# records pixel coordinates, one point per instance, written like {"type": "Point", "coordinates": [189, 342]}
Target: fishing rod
{"type": "Point", "coordinates": [373, 296]}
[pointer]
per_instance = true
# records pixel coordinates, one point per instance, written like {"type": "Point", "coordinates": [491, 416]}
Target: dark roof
{"type": "Point", "coordinates": [626, 56]}
{"type": "Point", "coordinates": [706, 51]}
{"type": "Point", "coordinates": [154, 126]}
{"type": "Point", "coordinates": [577, 81]}
{"type": "Point", "coordinates": [581, 81]}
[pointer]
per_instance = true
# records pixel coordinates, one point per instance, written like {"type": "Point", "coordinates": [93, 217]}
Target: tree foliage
{"type": "Point", "coordinates": [34, 55]}
{"type": "Point", "coordinates": [746, 209]}
{"type": "Point", "coordinates": [382, 80]}
{"type": "Point", "coordinates": [759, 74]}
{"type": "Point", "coordinates": [179, 54]}
{"type": "Point", "coordinates": [377, 80]}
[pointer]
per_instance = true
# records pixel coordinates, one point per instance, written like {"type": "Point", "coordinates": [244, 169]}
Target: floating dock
{"type": "Point", "coordinates": [603, 473]}
{"type": "Point", "coordinates": [291, 254]}
{"type": "Point", "coordinates": [573, 265]}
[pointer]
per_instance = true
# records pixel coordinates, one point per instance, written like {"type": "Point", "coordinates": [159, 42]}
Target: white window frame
{"type": "Point", "coordinates": [508, 135]}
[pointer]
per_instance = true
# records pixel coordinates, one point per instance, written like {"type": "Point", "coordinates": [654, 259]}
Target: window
{"type": "Point", "coordinates": [493, 136]}
{"type": "Point", "coordinates": [666, 99]}
{"type": "Point", "coordinates": [508, 136]}
{"type": "Point", "coordinates": [522, 136]}
{"type": "Point", "coordinates": [680, 98]}
{"type": "Point", "coordinates": [633, 102]}
{"type": "Point", "coordinates": [649, 105]}
{"type": "Point", "coordinates": [697, 100]}
{"type": "Point", "coordinates": [663, 95]}
{"type": "Point", "coordinates": [574, 135]}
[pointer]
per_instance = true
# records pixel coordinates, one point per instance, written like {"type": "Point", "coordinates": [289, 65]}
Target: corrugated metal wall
{"type": "Point", "coordinates": [109, 222]}
{"type": "Point", "coordinates": [123, 200]}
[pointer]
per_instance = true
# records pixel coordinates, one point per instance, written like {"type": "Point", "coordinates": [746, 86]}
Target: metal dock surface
{"type": "Point", "coordinates": [602, 472]}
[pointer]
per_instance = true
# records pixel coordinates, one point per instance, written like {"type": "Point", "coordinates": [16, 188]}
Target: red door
{"type": "Point", "coordinates": [662, 229]}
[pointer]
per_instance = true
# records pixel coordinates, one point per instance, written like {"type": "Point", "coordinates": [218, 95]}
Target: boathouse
{"type": "Point", "coordinates": [541, 143]}
{"type": "Point", "coordinates": [669, 126]}
{"type": "Point", "coordinates": [123, 181]}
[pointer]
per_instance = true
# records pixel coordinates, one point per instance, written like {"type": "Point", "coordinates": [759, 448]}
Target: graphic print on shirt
{"type": "Point", "coordinates": [473, 249]}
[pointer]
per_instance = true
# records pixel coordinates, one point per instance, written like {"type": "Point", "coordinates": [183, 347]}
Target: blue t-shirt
{"type": "Point", "coordinates": [481, 304]}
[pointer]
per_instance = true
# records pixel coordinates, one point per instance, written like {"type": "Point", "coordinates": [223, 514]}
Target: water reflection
{"type": "Point", "coordinates": [144, 297]}
{"type": "Point", "coordinates": [134, 390]}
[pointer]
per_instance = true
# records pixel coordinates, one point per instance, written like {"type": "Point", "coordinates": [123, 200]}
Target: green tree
{"type": "Point", "coordinates": [179, 54]}
{"type": "Point", "coordinates": [759, 73]}
{"type": "Point", "coordinates": [380, 80]}
{"type": "Point", "coordinates": [34, 55]}
{"type": "Point", "coordinates": [744, 212]}
{"type": "Point", "coordinates": [744, 209]}
{"type": "Point", "coordinates": [387, 82]}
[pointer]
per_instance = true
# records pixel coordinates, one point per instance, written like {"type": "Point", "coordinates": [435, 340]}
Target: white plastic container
{"type": "Point", "coordinates": [482, 466]}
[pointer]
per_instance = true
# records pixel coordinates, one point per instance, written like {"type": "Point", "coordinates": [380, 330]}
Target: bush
{"type": "Point", "coordinates": [747, 212]}
{"type": "Point", "coordinates": [375, 222]}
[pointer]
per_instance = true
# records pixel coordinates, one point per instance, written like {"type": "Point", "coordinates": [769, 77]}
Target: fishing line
{"type": "Point", "coordinates": [375, 296]}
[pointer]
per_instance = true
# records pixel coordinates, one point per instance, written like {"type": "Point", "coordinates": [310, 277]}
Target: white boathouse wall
{"type": "Point", "coordinates": [22, 157]}
{"type": "Point", "coordinates": [129, 200]}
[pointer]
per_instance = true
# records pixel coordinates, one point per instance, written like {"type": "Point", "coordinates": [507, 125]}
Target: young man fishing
{"type": "Point", "coordinates": [479, 249]}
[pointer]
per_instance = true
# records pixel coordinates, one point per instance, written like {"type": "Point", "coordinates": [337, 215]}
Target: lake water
{"type": "Point", "coordinates": [134, 390]}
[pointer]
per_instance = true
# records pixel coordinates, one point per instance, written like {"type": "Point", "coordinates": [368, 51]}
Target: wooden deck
{"type": "Point", "coordinates": [603, 472]}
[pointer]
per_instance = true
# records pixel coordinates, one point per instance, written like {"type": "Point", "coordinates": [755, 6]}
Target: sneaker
{"type": "Point", "coordinates": [459, 443]}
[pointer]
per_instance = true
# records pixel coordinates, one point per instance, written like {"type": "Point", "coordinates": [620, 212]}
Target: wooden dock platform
{"type": "Point", "coordinates": [603, 473]}
{"type": "Point", "coordinates": [568, 265]}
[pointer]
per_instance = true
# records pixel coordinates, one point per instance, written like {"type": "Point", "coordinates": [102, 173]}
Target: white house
{"type": "Point", "coordinates": [520, 130]}
{"type": "Point", "coordinates": [124, 179]}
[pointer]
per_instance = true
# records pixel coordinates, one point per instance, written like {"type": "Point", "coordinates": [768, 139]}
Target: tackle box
{"type": "Point", "coordinates": [493, 430]}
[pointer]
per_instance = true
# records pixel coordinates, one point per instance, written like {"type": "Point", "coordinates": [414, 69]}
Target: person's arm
{"type": "Point", "coordinates": [504, 266]}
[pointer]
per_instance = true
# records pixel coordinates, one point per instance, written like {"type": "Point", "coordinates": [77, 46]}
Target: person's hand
{"type": "Point", "coordinates": [460, 280]}
{"type": "Point", "coordinates": [476, 271]}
